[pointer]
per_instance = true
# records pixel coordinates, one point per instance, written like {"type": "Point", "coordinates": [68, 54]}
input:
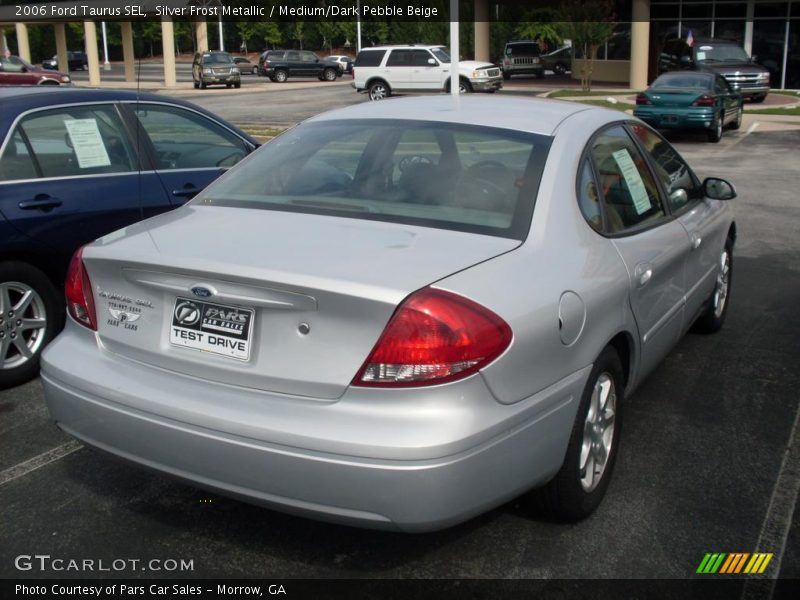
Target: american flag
{"type": "Point", "coordinates": [690, 39]}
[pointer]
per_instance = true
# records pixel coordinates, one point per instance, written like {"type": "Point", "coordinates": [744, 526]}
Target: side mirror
{"type": "Point", "coordinates": [718, 189]}
{"type": "Point", "coordinates": [754, 59]}
{"type": "Point", "coordinates": [432, 61]}
{"type": "Point", "coordinates": [687, 60]}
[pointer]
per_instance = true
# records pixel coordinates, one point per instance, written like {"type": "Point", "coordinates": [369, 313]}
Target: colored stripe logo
{"type": "Point", "coordinates": [734, 563]}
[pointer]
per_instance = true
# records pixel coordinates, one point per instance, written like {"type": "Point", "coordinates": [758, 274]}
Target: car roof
{"type": "Point", "coordinates": [534, 115]}
{"type": "Point", "coordinates": [404, 46]}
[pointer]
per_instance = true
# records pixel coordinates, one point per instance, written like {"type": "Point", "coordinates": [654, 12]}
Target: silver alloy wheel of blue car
{"type": "Point", "coordinates": [598, 432]}
{"type": "Point", "coordinates": [23, 321]}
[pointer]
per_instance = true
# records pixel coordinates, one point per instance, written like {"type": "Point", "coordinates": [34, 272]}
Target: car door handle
{"type": "Point", "coordinates": [696, 240]}
{"type": "Point", "coordinates": [40, 202]}
{"type": "Point", "coordinates": [643, 274]}
{"type": "Point", "coordinates": [187, 191]}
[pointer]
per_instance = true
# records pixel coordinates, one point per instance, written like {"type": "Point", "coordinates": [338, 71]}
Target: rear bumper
{"type": "Point", "coordinates": [417, 462]}
{"type": "Point", "coordinates": [676, 118]}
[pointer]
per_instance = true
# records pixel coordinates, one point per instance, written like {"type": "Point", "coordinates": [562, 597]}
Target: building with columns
{"type": "Point", "coordinates": [768, 29]}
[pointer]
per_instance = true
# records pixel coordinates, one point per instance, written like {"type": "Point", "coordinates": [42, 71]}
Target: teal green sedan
{"type": "Point", "coordinates": [691, 100]}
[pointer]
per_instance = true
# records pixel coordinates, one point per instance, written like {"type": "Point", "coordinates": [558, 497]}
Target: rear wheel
{"type": "Point", "coordinates": [579, 486]}
{"type": "Point", "coordinates": [329, 74]}
{"type": "Point", "coordinates": [378, 90]}
{"type": "Point", "coordinates": [714, 316]}
{"type": "Point", "coordinates": [737, 122]}
{"type": "Point", "coordinates": [559, 69]}
{"type": "Point", "coordinates": [281, 76]}
{"type": "Point", "coordinates": [30, 315]}
{"type": "Point", "coordinates": [715, 133]}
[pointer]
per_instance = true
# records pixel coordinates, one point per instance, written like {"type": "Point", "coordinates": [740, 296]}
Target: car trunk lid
{"type": "Point", "coordinates": [293, 303]}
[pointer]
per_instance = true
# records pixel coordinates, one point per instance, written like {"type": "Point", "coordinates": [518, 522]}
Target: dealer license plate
{"type": "Point", "coordinates": [214, 328]}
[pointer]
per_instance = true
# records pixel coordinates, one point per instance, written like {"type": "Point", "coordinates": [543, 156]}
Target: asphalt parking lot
{"type": "Point", "coordinates": [709, 460]}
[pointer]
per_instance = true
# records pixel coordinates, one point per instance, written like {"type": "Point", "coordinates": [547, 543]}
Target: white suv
{"type": "Point", "coordinates": [383, 70]}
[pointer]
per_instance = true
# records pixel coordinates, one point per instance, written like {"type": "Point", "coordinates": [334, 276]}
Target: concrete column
{"type": "Point", "coordinates": [482, 30]}
{"type": "Point", "coordinates": [168, 44]}
{"type": "Point", "coordinates": [23, 46]}
{"type": "Point", "coordinates": [201, 32]}
{"type": "Point", "coordinates": [127, 51]}
{"type": "Point", "coordinates": [640, 44]}
{"type": "Point", "coordinates": [61, 47]}
{"type": "Point", "coordinates": [748, 27]}
{"type": "Point", "coordinates": [90, 33]}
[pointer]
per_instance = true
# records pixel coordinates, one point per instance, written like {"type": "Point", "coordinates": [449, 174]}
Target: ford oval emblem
{"type": "Point", "coordinates": [202, 292]}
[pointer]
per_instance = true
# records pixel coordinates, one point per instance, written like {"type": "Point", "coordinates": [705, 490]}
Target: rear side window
{"type": "Point", "coordinates": [16, 161]}
{"type": "Point", "coordinates": [628, 192]}
{"type": "Point", "coordinates": [448, 176]}
{"type": "Point", "coordinates": [78, 140]}
{"type": "Point", "coordinates": [369, 58]}
{"type": "Point", "coordinates": [400, 58]}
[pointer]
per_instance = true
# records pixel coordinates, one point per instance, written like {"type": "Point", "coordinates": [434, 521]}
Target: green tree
{"type": "Point", "coordinates": [589, 24]}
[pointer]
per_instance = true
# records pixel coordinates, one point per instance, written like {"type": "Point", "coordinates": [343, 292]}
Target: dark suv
{"type": "Point", "coordinates": [215, 68]}
{"type": "Point", "coordinates": [724, 57]}
{"type": "Point", "coordinates": [522, 58]}
{"type": "Point", "coordinates": [279, 65]}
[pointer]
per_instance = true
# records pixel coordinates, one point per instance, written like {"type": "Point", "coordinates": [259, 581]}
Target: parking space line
{"type": "Point", "coordinates": [738, 140]}
{"type": "Point", "coordinates": [778, 520]}
{"type": "Point", "coordinates": [37, 462]}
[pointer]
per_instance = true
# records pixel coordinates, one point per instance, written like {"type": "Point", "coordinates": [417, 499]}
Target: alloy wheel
{"type": "Point", "coordinates": [598, 432]}
{"type": "Point", "coordinates": [23, 322]}
{"type": "Point", "coordinates": [723, 283]}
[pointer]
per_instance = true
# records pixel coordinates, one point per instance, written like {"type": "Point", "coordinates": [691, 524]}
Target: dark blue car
{"type": "Point", "coordinates": [75, 165]}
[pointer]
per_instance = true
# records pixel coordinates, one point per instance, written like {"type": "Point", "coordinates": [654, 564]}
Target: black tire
{"type": "Point", "coordinates": [715, 133]}
{"type": "Point", "coordinates": [237, 85]}
{"type": "Point", "coordinates": [506, 76]}
{"type": "Point", "coordinates": [560, 69]}
{"type": "Point", "coordinates": [16, 278]}
{"type": "Point", "coordinates": [737, 122]}
{"type": "Point", "coordinates": [713, 318]}
{"type": "Point", "coordinates": [203, 85]}
{"type": "Point", "coordinates": [281, 76]}
{"type": "Point", "coordinates": [379, 90]}
{"type": "Point", "coordinates": [567, 497]}
{"type": "Point", "coordinates": [229, 85]}
{"type": "Point", "coordinates": [329, 75]}
{"type": "Point", "coordinates": [196, 85]}
{"type": "Point", "coordinates": [759, 99]}
{"type": "Point", "coordinates": [464, 87]}
{"type": "Point", "coordinates": [540, 74]}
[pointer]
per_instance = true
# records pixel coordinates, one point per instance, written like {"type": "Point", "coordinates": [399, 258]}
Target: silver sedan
{"type": "Point", "coordinates": [399, 314]}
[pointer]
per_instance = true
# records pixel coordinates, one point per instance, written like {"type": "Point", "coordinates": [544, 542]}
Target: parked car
{"type": "Point", "coordinates": [215, 68]}
{"type": "Point", "coordinates": [345, 62]}
{"type": "Point", "coordinates": [245, 66]}
{"type": "Point", "coordinates": [384, 70]}
{"type": "Point", "coordinates": [522, 57]}
{"type": "Point", "coordinates": [16, 71]}
{"type": "Point", "coordinates": [690, 100]}
{"type": "Point", "coordinates": [724, 57]}
{"type": "Point", "coordinates": [280, 65]}
{"type": "Point", "coordinates": [77, 61]}
{"type": "Point", "coordinates": [70, 173]}
{"type": "Point", "coordinates": [558, 61]}
{"type": "Point", "coordinates": [399, 314]}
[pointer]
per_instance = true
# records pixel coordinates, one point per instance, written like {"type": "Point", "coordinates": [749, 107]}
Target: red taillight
{"type": "Point", "coordinates": [78, 289]}
{"type": "Point", "coordinates": [642, 99]}
{"type": "Point", "coordinates": [434, 337]}
{"type": "Point", "coordinates": [704, 101]}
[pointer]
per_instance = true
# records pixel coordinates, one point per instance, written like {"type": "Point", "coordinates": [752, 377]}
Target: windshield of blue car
{"type": "Point", "coordinates": [449, 176]}
{"type": "Point", "coordinates": [441, 54]}
{"type": "Point", "coordinates": [710, 53]}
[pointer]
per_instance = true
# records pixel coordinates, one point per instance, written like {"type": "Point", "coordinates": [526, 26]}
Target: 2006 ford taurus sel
{"type": "Point", "coordinates": [392, 317]}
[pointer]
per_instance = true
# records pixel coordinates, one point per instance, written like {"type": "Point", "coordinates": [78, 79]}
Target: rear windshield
{"type": "Point", "coordinates": [370, 58]}
{"type": "Point", "coordinates": [448, 176]}
{"type": "Point", "coordinates": [527, 49]}
{"type": "Point", "coordinates": [691, 81]}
